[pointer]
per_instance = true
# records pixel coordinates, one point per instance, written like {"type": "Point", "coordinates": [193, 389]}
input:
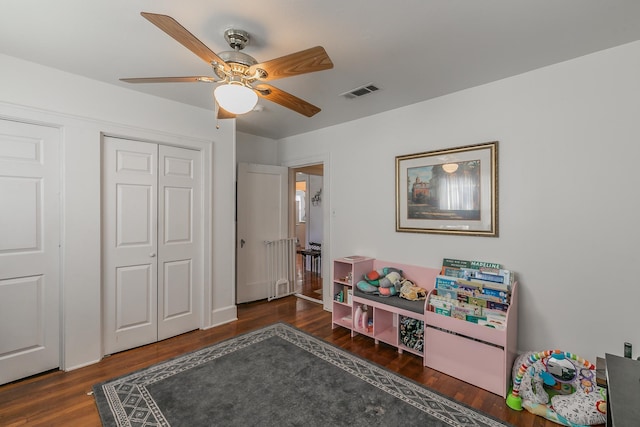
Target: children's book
{"type": "Point", "coordinates": [475, 265]}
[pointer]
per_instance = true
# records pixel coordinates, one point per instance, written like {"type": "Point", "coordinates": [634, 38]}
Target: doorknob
{"type": "Point", "coordinates": [242, 242]}
{"type": "Point", "coordinates": [152, 254]}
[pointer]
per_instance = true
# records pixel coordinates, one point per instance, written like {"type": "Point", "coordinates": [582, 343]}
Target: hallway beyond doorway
{"type": "Point", "coordinates": [308, 227]}
{"type": "Point", "coordinates": [308, 282]}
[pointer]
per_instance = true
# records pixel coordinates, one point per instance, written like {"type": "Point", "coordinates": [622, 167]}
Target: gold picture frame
{"type": "Point", "coordinates": [450, 191]}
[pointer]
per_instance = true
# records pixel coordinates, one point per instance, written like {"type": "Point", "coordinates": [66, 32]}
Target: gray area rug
{"type": "Point", "coordinates": [275, 376]}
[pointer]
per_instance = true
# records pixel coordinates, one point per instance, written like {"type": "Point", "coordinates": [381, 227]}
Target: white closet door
{"type": "Point", "coordinates": [29, 250]}
{"type": "Point", "coordinates": [179, 241]}
{"type": "Point", "coordinates": [130, 243]}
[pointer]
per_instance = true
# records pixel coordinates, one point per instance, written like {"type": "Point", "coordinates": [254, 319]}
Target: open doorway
{"type": "Point", "coordinates": [308, 223]}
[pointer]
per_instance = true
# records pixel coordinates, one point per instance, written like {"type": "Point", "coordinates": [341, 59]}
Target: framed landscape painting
{"type": "Point", "coordinates": [451, 191]}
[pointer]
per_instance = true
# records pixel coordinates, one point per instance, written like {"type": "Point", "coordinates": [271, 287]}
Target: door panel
{"type": "Point", "coordinates": [262, 216]}
{"type": "Point", "coordinates": [179, 241]}
{"type": "Point", "coordinates": [28, 292]}
{"type": "Point", "coordinates": [135, 215]}
{"type": "Point", "coordinates": [130, 243]}
{"type": "Point", "coordinates": [178, 215]}
{"type": "Point", "coordinates": [20, 232]}
{"type": "Point", "coordinates": [134, 305]}
{"type": "Point", "coordinates": [29, 250]}
{"type": "Point", "coordinates": [178, 289]}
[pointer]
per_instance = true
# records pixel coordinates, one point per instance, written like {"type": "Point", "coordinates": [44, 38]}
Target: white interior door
{"type": "Point", "coordinates": [179, 241]}
{"type": "Point", "coordinates": [262, 216]}
{"type": "Point", "coordinates": [29, 250]}
{"type": "Point", "coordinates": [152, 242]}
{"type": "Point", "coordinates": [130, 243]}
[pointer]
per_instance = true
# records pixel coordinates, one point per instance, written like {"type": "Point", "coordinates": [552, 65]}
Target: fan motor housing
{"type": "Point", "coordinates": [238, 61]}
{"type": "Point", "coordinates": [236, 57]}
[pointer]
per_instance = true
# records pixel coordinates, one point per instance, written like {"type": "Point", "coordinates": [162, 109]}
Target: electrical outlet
{"type": "Point", "coordinates": [627, 350]}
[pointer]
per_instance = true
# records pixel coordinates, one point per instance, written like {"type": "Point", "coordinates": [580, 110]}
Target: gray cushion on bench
{"type": "Point", "coordinates": [395, 301]}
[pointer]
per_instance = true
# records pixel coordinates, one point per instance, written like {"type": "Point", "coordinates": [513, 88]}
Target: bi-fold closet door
{"type": "Point", "coordinates": [152, 249]}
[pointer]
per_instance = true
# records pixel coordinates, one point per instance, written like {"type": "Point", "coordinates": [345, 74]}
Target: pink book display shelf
{"type": "Point", "coordinates": [474, 353]}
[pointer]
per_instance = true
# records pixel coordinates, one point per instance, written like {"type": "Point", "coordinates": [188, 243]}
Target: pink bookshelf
{"type": "Point", "coordinates": [476, 354]}
{"type": "Point", "coordinates": [343, 268]}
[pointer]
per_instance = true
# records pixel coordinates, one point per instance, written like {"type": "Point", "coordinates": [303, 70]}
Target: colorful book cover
{"type": "Point", "coordinates": [498, 276]}
{"type": "Point", "coordinates": [493, 323]}
{"type": "Point", "coordinates": [472, 291]}
{"type": "Point", "coordinates": [462, 298]}
{"type": "Point", "coordinates": [437, 301]}
{"type": "Point", "coordinates": [473, 309]}
{"type": "Point", "coordinates": [458, 313]}
{"type": "Point", "coordinates": [501, 295]}
{"type": "Point", "coordinates": [477, 283]}
{"type": "Point", "coordinates": [470, 284]}
{"type": "Point", "coordinates": [475, 265]}
{"type": "Point", "coordinates": [504, 287]}
{"type": "Point", "coordinates": [503, 276]}
{"type": "Point", "coordinates": [462, 311]}
{"type": "Point", "coordinates": [444, 282]}
{"type": "Point", "coordinates": [493, 305]}
{"type": "Point", "coordinates": [443, 311]}
{"type": "Point", "coordinates": [498, 272]}
{"type": "Point", "coordinates": [448, 293]}
{"type": "Point", "coordinates": [491, 298]}
{"type": "Point", "coordinates": [477, 301]}
{"type": "Point", "coordinates": [488, 297]}
{"type": "Point", "coordinates": [453, 272]}
{"type": "Point", "coordinates": [474, 319]}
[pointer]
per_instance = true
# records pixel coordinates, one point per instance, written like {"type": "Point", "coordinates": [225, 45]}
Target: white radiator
{"type": "Point", "coordinates": [281, 267]}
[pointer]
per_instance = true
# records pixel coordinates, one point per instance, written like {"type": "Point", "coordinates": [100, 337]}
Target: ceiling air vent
{"type": "Point", "coordinates": [360, 91]}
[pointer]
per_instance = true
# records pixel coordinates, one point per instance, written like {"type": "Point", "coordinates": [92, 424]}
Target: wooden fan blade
{"type": "Point", "coordinates": [305, 61]}
{"type": "Point", "coordinates": [286, 100]}
{"type": "Point", "coordinates": [189, 79]}
{"type": "Point", "coordinates": [184, 37]}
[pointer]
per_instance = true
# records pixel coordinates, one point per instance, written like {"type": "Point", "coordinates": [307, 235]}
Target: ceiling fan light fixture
{"type": "Point", "coordinates": [235, 98]}
{"type": "Point", "coordinates": [237, 72]}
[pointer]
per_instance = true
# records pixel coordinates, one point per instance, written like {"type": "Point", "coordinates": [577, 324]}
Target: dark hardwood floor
{"type": "Point", "coordinates": [61, 399]}
{"type": "Point", "coordinates": [309, 282]}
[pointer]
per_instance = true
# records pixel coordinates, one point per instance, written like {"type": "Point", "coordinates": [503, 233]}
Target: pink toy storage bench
{"type": "Point", "coordinates": [386, 311]}
{"type": "Point", "coordinates": [473, 353]}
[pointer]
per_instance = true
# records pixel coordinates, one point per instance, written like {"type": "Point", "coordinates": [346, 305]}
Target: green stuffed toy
{"type": "Point", "coordinates": [384, 282]}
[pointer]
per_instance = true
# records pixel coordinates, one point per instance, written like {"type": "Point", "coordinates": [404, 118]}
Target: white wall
{"type": "Point", "coordinates": [84, 109]}
{"type": "Point", "coordinates": [569, 200]}
{"type": "Point", "coordinates": [256, 149]}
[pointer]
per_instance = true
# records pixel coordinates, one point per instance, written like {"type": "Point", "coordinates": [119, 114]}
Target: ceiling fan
{"type": "Point", "coordinates": [240, 76]}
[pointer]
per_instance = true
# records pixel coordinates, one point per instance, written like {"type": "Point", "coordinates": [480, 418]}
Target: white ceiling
{"type": "Point", "coordinates": [412, 50]}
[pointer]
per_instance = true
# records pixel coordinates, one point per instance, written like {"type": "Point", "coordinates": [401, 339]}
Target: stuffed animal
{"type": "Point", "coordinates": [384, 282]}
{"type": "Point", "coordinates": [412, 292]}
{"type": "Point", "coordinates": [367, 287]}
{"type": "Point", "coordinates": [375, 277]}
